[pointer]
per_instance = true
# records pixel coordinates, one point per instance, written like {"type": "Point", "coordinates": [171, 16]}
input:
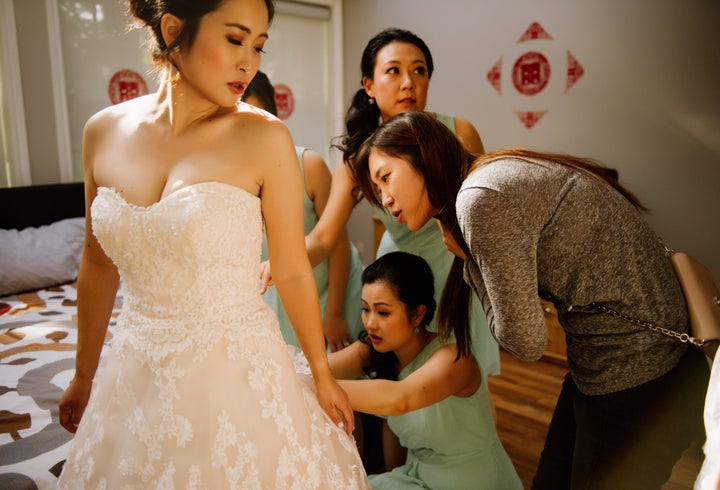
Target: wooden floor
{"type": "Point", "coordinates": [524, 396]}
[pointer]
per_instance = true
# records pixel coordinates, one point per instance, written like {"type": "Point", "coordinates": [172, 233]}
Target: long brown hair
{"type": "Point", "coordinates": [434, 152]}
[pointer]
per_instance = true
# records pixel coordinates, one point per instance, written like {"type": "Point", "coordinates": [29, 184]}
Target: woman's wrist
{"type": "Point", "coordinates": [82, 379]}
{"type": "Point", "coordinates": [321, 371]}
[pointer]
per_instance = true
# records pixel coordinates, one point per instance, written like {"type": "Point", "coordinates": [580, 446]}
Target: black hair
{"type": "Point", "coordinates": [263, 90]}
{"type": "Point", "coordinates": [411, 279]}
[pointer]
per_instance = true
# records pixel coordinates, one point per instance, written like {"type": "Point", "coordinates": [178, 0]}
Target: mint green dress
{"type": "Point", "coordinates": [452, 444]}
{"type": "Point", "coordinates": [427, 243]}
{"type": "Point", "coordinates": [352, 304]}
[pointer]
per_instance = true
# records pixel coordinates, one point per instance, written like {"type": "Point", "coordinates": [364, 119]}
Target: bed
{"type": "Point", "coordinates": [41, 236]}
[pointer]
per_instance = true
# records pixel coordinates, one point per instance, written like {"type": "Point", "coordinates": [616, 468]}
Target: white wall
{"type": "Point", "coordinates": [648, 103]}
{"type": "Point", "coordinates": [38, 96]}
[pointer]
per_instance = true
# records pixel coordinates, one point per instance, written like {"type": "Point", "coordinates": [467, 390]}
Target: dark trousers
{"type": "Point", "coordinates": [630, 439]}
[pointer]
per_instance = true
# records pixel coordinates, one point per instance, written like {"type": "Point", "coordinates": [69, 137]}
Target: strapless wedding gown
{"type": "Point", "coordinates": [199, 390]}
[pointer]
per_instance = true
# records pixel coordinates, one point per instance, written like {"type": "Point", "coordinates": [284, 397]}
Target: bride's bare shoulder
{"type": "Point", "coordinates": [109, 117]}
{"type": "Point", "coordinates": [265, 129]}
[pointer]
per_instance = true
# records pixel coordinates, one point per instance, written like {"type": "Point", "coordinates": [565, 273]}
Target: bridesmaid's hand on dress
{"type": "Point", "coordinates": [335, 402]}
{"type": "Point", "coordinates": [265, 276]}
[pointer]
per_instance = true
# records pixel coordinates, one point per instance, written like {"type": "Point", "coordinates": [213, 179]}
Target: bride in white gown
{"type": "Point", "coordinates": [199, 390]}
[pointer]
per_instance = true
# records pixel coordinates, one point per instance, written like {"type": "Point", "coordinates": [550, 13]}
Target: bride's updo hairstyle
{"type": "Point", "coordinates": [148, 13]}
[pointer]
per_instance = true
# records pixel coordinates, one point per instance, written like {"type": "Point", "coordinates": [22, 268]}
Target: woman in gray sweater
{"type": "Point", "coordinates": [526, 225]}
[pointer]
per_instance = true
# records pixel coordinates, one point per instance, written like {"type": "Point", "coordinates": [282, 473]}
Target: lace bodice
{"type": "Point", "coordinates": [177, 250]}
{"type": "Point", "coordinates": [191, 258]}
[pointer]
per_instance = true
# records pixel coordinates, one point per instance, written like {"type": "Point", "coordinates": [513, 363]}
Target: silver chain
{"type": "Point", "coordinates": [682, 337]}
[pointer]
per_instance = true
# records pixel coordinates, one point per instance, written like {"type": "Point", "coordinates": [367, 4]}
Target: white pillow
{"type": "Point", "coordinates": [36, 258]}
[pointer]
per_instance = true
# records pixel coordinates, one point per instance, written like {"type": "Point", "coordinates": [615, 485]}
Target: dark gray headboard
{"type": "Point", "coordinates": [38, 205]}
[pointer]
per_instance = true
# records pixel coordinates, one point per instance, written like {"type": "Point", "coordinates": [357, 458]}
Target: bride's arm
{"type": "Point", "coordinates": [281, 198]}
{"type": "Point", "coordinates": [326, 232]}
{"type": "Point", "coordinates": [98, 282]}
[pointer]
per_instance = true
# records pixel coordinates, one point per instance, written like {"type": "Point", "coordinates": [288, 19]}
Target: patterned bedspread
{"type": "Point", "coordinates": [38, 335]}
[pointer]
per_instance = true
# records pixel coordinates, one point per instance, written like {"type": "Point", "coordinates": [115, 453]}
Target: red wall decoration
{"type": "Point", "coordinates": [125, 85]}
{"type": "Point", "coordinates": [531, 73]}
{"type": "Point", "coordinates": [285, 101]}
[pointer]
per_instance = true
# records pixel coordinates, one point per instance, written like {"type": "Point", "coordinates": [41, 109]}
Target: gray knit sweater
{"type": "Point", "coordinates": [542, 229]}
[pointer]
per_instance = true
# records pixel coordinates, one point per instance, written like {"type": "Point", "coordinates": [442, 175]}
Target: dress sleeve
{"type": "Point", "coordinates": [502, 268]}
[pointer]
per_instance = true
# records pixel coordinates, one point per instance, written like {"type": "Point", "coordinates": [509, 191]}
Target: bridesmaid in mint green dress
{"type": "Point", "coordinates": [451, 444]}
{"type": "Point", "coordinates": [437, 406]}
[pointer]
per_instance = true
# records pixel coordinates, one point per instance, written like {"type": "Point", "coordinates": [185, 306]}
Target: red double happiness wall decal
{"type": "Point", "coordinates": [531, 72]}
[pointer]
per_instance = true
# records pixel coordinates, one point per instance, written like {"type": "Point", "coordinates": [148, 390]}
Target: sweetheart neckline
{"type": "Point", "coordinates": [115, 193]}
